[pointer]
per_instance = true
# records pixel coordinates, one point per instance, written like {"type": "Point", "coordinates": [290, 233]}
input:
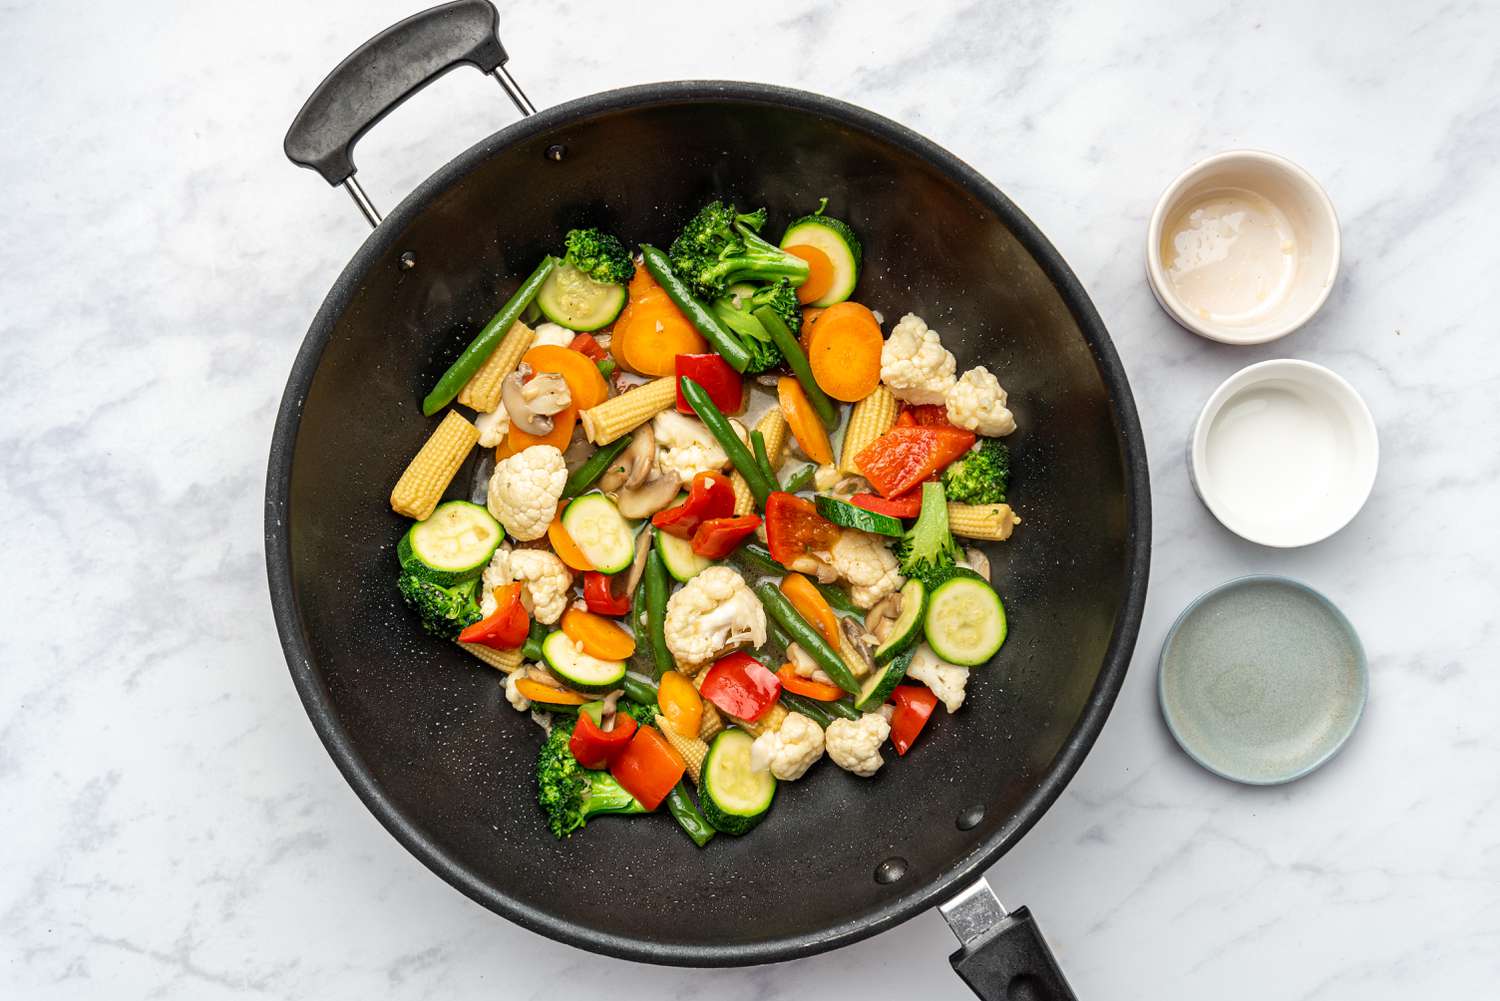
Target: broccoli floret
{"type": "Point", "coordinates": [444, 611]}
{"type": "Point", "coordinates": [644, 715]}
{"type": "Point", "coordinates": [721, 246]}
{"type": "Point", "coordinates": [733, 311]}
{"type": "Point", "coordinates": [600, 256]}
{"type": "Point", "coordinates": [981, 476]}
{"type": "Point", "coordinates": [781, 296]}
{"type": "Point", "coordinates": [570, 793]}
{"type": "Point", "coordinates": [927, 551]}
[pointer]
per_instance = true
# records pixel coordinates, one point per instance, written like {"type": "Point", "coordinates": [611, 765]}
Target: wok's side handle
{"type": "Point", "coordinates": [380, 74]}
{"type": "Point", "coordinates": [1004, 957]}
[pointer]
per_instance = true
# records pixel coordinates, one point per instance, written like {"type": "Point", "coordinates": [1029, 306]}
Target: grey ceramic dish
{"type": "Point", "coordinates": [1262, 680]}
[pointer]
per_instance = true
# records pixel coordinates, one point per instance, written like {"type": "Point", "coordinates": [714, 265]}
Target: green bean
{"type": "Point", "coordinates": [758, 558]}
{"type": "Point", "coordinates": [479, 350]}
{"type": "Point", "coordinates": [688, 816]}
{"type": "Point", "coordinates": [762, 457]}
{"type": "Point", "coordinates": [805, 636]}
{"type": "Point", "coordinates": [800, 479]}
{"type": "Point", "coordinates": [699, 315]}
{"type": "Point", "coordinates": [532, 648]}
{"type": "Point", "coordinates": [639, 691]}
{"type": "Point", "coordinates": [606, 367]}
{"type": "Point", "coordinates": [778, 636]}
{"type": "Point", "coordinates": [584, 476]}
{"type": "Point", "coordinates": [656, 587]}
{"type": "Point", "coordinates": [838, 598]}
{"type": "Point", "coordinates": [787, 342]}
{"type": "Point", "coordinates": [761, 486]}
{"type": "Point", "coordinates": [811, 708]}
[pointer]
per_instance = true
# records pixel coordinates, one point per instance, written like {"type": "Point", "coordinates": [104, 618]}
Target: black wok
{"type": "Point", "coordinates": [422, 731]}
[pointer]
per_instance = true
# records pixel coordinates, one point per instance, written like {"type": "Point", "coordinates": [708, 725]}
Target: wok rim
{"type": "Point", "coordinates": [314, 693]}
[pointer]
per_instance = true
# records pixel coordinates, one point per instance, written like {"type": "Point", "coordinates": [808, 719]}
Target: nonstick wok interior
{"type": "Point", "coordinates": [423, 730]}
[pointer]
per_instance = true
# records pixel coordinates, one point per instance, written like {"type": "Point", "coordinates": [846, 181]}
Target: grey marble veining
{"type": "Point", "coordinates": [172, 827]}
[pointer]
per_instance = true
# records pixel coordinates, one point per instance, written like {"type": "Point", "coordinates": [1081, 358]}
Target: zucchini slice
{"type": "Point", "coordinates": [734, 797]}
{"type": "Point", "coordinates": [682, 563]}
{"type": "Point", "coordinates": [879, 686]}
{"type": "Point", "coordinates": [965, 621]}
{"type": "Point", "coordinates": [452, 545]}
{"type": "Point", "coordinates": [846, 515]}
{"type": "Point", "coordinates": [835, 238]}
{"type": "Point", "coordinates": [907, 628]}
{"type": "Point", "coordinates": [577, 669]}
{"type": "Point", "coordinates": [572, 299]}
{"type": "Point", "coordinates": [601, 532]}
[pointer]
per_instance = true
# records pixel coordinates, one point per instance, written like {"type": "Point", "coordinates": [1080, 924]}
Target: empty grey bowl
{"type": "Point", "coordinates": [1262, 680]}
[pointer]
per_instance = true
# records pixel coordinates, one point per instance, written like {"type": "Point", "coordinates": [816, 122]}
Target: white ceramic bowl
{"type": "Point", "coordinates": [1314, 249]}
{"type": "Point", "coordinates": [1284, 453]}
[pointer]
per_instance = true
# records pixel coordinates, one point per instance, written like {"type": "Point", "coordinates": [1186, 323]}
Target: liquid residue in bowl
{"type": "Point", "coordinates": [1230, 254]}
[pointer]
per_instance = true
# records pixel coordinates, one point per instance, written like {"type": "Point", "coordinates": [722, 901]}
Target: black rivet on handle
{"type": "Point", "coordinates": [970, 818]}
{"type": "Point", "coordinates": [408, 261]}
{"type": "Point", "coordinates": [890, 870]}
{"type": "Point", "coordinates": [556, 152]}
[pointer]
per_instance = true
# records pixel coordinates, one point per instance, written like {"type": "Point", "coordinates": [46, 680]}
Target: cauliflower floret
{"type": "Point", "coordinates": [867, 563]}
{"type": "Point", "coordinates": [545, 582]}
{"type": "Point", "coordinates": [825, 477]}
{"type": "Point", "coordinates": [790, 751]}
{"type": "Point", "coordinates": [945, 680]}
{"type": "Point", "coordinates": [685, 447]}
{"type": "Point", "coordinates": [712, 612]}
{"type": "Point", "coordinates": [914, 365]}
{"type": "Point", "coordinates": [493, 427]}
{"type": "Point", "coordinates": [513, 695]}
{"type": "Point", "coordinates": [554, 334]}
{"type": "Point", "coordinates": [854, 745]}
{"type": "Point", "coordinates": [977, 402]}
{"type": "Point", "coordinates": [524, 491]}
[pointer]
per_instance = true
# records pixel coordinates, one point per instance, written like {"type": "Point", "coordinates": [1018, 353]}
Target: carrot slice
{"type": "Point", "coordinates": [820, 272]}
{"type": "Point", "coordinates": [585, 384]}
{"type": "Point", "coordinates": [598, 636]}
{"type": "Point", "coordinates": [812, 606]}
{"type": "Point", "coordinates": [538, 692]}
{"type": "Point", "coordinates": [803, 420]}
{"type": "Point", "coordinates": [563, 545]}
{"type": "Point", "coordinates": [844, 352]}
{"type": "Point", "coordinates": [809, 317]}
{"type": "Point", "coordinates": [656, 335]}
{"type": "Point", "coordinates": [561, 433]}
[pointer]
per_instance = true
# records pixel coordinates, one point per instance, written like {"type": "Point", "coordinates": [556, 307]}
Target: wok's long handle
{"type": "Point", "coordinates": [1004, 957]}
{"type": "Point", "coordinates": [383, 72]}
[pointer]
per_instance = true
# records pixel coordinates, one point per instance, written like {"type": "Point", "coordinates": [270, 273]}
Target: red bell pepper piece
{"type": "Point", "coordinates": [924, 415]}
{"type": "Point", "coordinates": [585, 345]}
{"type": "Point", "coordinates": [719, 380]}
{"type": "Point", "coordinates": [741, 686]}
{"type": "Point", "coordinates": [794, 527]}
{"type": "Point", "coordinates": [905, 456]}
{"type": "Point", "coordinates": [506, 627]}
{"type": "Point", "coordinates": [599, 595]}
{"type": "Point", "coordinates": [716, 538]}
{"type": "Point", "coordinates": [908, 505]}
{"type": "Point", "coordinates": [595, 747]}
{"type": "Point", "coordinates": [649, 768]}
{"type": "Point", "coordinates": [914, 704]}
{"type": "Point", "coordinates": [710, 496]}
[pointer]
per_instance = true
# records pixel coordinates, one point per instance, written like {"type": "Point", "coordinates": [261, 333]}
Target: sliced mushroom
{"type": "Point", "coordinates": [978, 562]}
{"type": "Point", "coordinates": [650, 497]}
{"type": "Point", "coordinates": [858, 642]}
{"type": "Point", "coordinates": [537, 672]}
{"type": "Point", "coordinates": [878, 620]}
{"type": "Point", "coordinates": [633, 465]}
{"type": "Point", "coordinates": [820, 564]}
{"type": "Point", "coordinates": [513, 395]}
{"type": "Point", "coordinates": [638, 568]}
{"type": "Point", "coordinates": [547, 393]}
{"type": "Point", "coordinates": [607, 711]}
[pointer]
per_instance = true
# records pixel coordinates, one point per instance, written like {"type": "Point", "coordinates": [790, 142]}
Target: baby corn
{"type": "Point", "coordinates": [482, 391]}
{"type": "Point", "coordinates": [692, 749]}
{"type": "Point", "coordinates": [769, 722]}
{"type": "Point", "coordinates": [870, 418]}
{"type": "Point", "coordinates": [772, 426]}
{"type": "Point", "coordinates": [501, 660]}
{"type": "Point", "coordinates": [712, 723]}
{"type": "Point", "coordinates": [420, 488]}
{"type": "Point", "coordinates": [628, 411]}
{"type": "Point", "coordinates": [993, 522]}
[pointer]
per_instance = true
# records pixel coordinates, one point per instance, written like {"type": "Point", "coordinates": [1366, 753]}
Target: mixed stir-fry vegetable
{"type": "Point", "coordinates": [718, 543]}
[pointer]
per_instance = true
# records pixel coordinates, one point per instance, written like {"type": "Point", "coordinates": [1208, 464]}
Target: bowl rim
{"type": "Point", "coordinates": [315, 696]}
{"type": "Point", "coordinates": [1361, 662]}
{"type": "Point", "coordinates": [1156, 273]}
{"type": "Point", "coordinates": [1262, 371]}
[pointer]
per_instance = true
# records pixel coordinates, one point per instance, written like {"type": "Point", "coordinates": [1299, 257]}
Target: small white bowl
{"type": "Point", "coordinates": [1310, 251]}
{"type": "Point", "coordinates": [1284, 453]}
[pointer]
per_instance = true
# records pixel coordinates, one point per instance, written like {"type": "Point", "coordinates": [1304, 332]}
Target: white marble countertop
{"type": "Point", "coordinates": [172, 827]}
